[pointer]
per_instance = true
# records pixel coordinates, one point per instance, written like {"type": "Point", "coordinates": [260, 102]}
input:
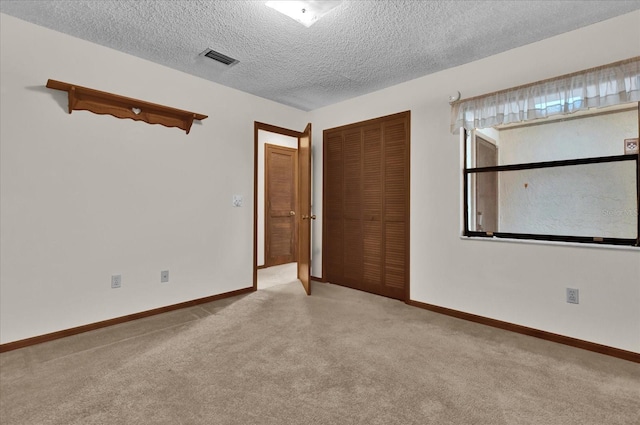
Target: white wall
{"type": "Point", "coordinates": [85, 196]}
{"type": "Point", "coordinates": [593, 200]}
{"type": "Point", "coordinates": [272, 139]}
{"type": "Point", "coordinates": [583, 200]}
{"type": "Point", "coordinates": [522, 283]}
{"type": "Point", "coordinates": [599, 135]}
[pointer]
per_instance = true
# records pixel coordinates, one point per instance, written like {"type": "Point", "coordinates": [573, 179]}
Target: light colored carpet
{"type": "Point", "coordinates": [340, 356]}
{"type": "Point", "coordinates": [277, 275]}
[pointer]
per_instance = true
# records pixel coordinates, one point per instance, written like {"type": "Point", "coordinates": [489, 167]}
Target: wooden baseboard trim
{"type": "Point", "coordinates": [561, 339]}
{"type": "Point", "coordinates": [9, 346]}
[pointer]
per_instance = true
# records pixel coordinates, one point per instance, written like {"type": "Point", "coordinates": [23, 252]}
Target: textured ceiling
{"type": "Point", "coordinates": [357, 48]}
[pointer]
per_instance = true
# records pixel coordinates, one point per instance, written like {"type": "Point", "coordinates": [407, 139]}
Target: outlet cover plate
{"type": "Point", "coordinates": [164, 276]}
{"type": "Point", "coordinates": [116, 281]}
{"type": "Point", "coordinates": [573, 296]}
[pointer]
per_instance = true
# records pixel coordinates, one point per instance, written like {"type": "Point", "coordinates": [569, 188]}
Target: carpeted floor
{"type": "Point", "coordinates": [340, 356]}
{"type": "Point", "coordinates": [277, 275]}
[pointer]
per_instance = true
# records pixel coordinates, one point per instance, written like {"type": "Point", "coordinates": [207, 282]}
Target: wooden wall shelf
{"type": "Point", "coordinates": [99, 102]}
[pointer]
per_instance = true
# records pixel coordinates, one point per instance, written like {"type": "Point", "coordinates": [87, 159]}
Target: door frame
{"type": "Point", "coordinates": [272, 129]}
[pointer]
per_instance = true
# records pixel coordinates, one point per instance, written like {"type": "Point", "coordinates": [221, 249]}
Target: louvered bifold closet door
{"type": "Point", "coordinates": [395, 198]}
{"type": "Point", "coordinates": [333, 252]}
{"type": "Point", "coordinates": [366, 192]}
{"type": "Point", "coordinates": [352, 201]}
{"type": "Point", "coordinates": [372, 214]}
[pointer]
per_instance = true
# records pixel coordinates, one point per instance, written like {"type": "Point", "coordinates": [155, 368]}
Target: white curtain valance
{"type": "Point", "coordinates": [606, 85]}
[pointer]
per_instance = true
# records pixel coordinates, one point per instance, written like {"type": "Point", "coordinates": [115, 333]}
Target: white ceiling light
{"type": "Point", "coordinates": [305, 12]}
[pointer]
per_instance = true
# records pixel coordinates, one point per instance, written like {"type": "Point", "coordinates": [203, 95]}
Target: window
{"type": "Point", "coordinates": [564, 179]}
{"type": "Point", "coordinates": [549, 160]}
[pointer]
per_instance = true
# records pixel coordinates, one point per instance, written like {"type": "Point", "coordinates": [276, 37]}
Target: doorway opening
{"type": "Point", "coordinates": [282, 216]}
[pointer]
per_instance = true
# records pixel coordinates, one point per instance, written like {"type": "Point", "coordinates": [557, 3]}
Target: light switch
{"type": "Point", "coordinates": [237, 200]}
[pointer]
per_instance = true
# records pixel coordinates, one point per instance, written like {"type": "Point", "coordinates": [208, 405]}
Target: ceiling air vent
{"type": "Point", "coordinates": [219, 57]}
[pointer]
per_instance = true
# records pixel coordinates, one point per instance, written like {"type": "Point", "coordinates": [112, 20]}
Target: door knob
{"type": "Point", "coordinates": [292, 213]}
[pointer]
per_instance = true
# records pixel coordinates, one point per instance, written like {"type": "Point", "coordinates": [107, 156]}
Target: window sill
{"type": "Point", "coordinates": [553, 243]}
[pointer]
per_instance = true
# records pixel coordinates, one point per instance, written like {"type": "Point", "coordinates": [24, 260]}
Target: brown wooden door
{"type": "Point", "coordinates": [281, 171]}
{"type": "Point", "coordinates": [304, 210]}
{"type": "Point", "coordinates": [366, 206]}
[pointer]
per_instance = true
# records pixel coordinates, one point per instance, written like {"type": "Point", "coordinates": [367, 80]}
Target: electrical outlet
{"type": "Point", "coordinates": [164, 276]}
{"type": "Point", "coordinates": [116, 281]}
{"type": "Point", "coordinates": [573, 296]}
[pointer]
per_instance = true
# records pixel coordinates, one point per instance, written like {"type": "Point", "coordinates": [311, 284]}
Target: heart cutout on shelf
{"type": "Point", "coordinates": [136, 111]}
